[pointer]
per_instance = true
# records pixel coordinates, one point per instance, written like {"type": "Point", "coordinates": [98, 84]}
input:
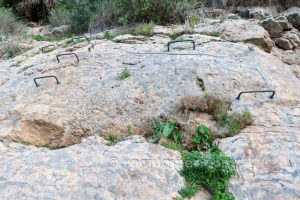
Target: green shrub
{"type": "Point", "coordinates": [211, 169]}
{"type": "Point", "coordinates": [59, 16]}
{"type": "Point", "coordinates": [107, 35]}
{"type": "Point", "coordinates": [9, 23]}
{"type": "Point", "coordinates": [125, 74]}
{"type": "Point", "coordinates": [107, 14]}
{"type": "Point", "coordinates": [194, 20]}
{"type": "Point", "coordinates": [214, 34]}
{"type": "Point", "coordinates": [203, 138]}
{"type": "Point", "coordinates": [161, 12]}
{"type": "Point", "coordinates": [173, 34]}
{"type": "Point", "coordinates": [144, 29]}
{"type": "Point", "coordinates": [12, 49]}
{"type": "Point", "coordinates": [39, 38]}
{"type": "Point", "coordinates": [223, 19]}
{"type": "Point", "coordinates": [235, 122]}
{"type": "Point", "coordinates": [112, 139]}
{"type": "Point", "coordinates": [80, 14]}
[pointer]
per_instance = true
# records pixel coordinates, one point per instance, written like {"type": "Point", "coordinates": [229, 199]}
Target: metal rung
{"type": "Point", "coordinates": [43, 48]}
{"type": "Point", "coordinates": [172, 42]}
{"type": "Point", "coordinates": [263, 91]}
{"type": "Point", "coordinates": [66, 54]}
{"type": "Point", "coordinates": [37, 85]}
{"type": "Point", "coordinates": [80, 37]}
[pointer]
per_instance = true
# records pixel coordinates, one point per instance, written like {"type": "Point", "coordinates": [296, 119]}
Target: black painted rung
{"type": "Point", "coordinates": [80, 37]}
{"type": "Point", "coordinates": [176, 41]}
{"type": "Point", "coordinates": [43, 77]}
{"type": "Point", "coordinates": [66, 54]}
{"type": "Point", "coordinates": [259, 91]}
{"type": "Point", "coordinates": [45, 47]}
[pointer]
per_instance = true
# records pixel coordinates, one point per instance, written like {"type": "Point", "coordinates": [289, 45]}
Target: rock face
{"type": "Point", "coordinates": [248, 32]}
{"type": "Point", "coordinates": [293, 15]}
{"type": "Point", "coordinates": [238, 31]}
{"type": "Point", "coordinates": [132, 169]}
{"type": "Point", "coordinates": [276, 26]}
{"type": "Point", "coordinates": [289, 40]}
{"type": "Point", "coordinates": [91, 100]}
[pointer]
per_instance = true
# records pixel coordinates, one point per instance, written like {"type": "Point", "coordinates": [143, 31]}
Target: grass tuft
{"type": "Point", "coordinates": [125, 74]}
{"type": "Point", "coordinates": [144, 29]}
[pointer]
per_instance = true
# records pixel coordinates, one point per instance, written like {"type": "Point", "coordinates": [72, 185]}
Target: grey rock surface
{"type": "Point", "coordinates": [289, 40]}
{"type": "Point", "coordinates": [276, 26]}
{"type": "Point", "coordinates": [91, 100]}
{"type": "Point", "coordinates": [248, 31]}
{"type": "Point", "coordinates": [132, 169]}
{"type": "Point", "coordinates": [293, 15]}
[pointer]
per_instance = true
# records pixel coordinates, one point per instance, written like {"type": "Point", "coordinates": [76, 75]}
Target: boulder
{"type": "Point", "coordinates": [246, 31]}
{"type": "Point", "coordinates": [130, 39]}
{"type": "Point", "coordinates": [276, 26]}
{"type": "Point", "coordinates": [289, 40]}
{"type": "Point", "coordinates": [58, 31]}
{"type": "Point", "coordinates": [293, 15]}
{"type": "Point", "coordinates": [92, 100]}
{"type": "Point", "coordinates": [131, 169]}
{"type": "Point", "coordinates": [259, 13]}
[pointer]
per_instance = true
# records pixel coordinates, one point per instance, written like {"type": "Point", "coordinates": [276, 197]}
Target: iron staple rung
{"type": "Point", "coordinates": [176, 41]}
{"type": "Point", "coordinates": [43, 77]}
{"type": "Point", "coordinates": [259, 91]}
{"type": "Point", "coordinates": [66, 54]}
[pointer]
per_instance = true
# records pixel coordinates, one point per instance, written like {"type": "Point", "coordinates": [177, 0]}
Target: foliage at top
{"type": "Point", "coordinates": [9, 23]}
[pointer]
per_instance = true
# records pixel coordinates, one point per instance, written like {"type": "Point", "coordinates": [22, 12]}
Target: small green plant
{"type": "Point", "coordinates": [203, 138]}
{"type": "Point", "coordinates": [107, 35]}
{"type": "Point", "coordinates": [173, 34]}
{"type": "Point", "coordinates": [214, 34]}
{"type": "Point", "coordinates": [123, 20]}
{"type": "Point", "coordinates": [12, 49]}
{"type": "Point", "coordinates": [234, 122]}
{"type": "Point", "coordinates": [223, 18]}
{"type": "Point", "coordinates": [125, 74]}
{"type": "Point", "coordinates": [112, 139]}
{"type": "Point", "coordinates": [194, 20]}
{"type": "Point", "coordinates": [39, 38]}
{"type": "Point", "coordinates": [130, 129]}
{"type": "Point", "coordinates": [144, 29]}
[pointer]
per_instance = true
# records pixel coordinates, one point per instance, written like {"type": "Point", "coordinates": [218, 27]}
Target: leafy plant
{"type": "Point", "coordinates": [203, 138]}
{"type": "Point", "coordinates": [59, 16]}
{"type": "Point", "coordinates": [211, 169]}
{"type": "Point", "coordinates": [123, 20]}
{"type": "Point", "coordinates": [144, 29]}
{"type": "Point", "coordinates": [80, 14]}
{"type": "Point", "coordinates": [107, 35]}
{"type": "Point", "coordinates": [162, 12]}
{"type": "Point", "coordinates": [234, 122]}
{"type": "Point", "coordinates": [194, 20]}
{"type": "Point", "coordinates": [39, 38]}
{"type": "Point", "coordinates": [125, 74]}
{"type": "Point", "coordinates": [12, 49]}
{"type": "Point", "coordinates": [112, 139]}
{"type": "Point", "coordinates": [223, 18]}
{"type": "Point", "coordinates": [173, 34]}
{"type": "Point", "coordinates": [214, 34]}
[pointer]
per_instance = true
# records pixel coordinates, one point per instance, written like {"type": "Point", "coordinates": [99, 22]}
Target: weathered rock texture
{"type": "Point", "coordinates": [92, 100]}
{"type": "Point", "coordinates": [293, 15]}
{"type": "Point", "coordinates": [131, 169]}
{"type": "Point", "coordinates": [276, 26]}
{"type": "Point", "coordinates": [289, 40]}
